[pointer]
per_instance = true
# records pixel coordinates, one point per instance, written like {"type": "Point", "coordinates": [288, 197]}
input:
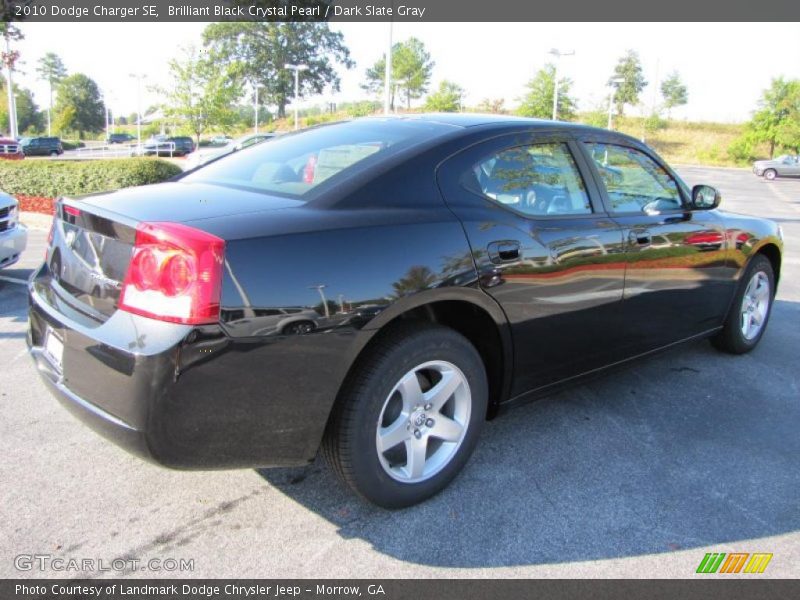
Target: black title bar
{"type": "Point", "coordinates": [400, 10]}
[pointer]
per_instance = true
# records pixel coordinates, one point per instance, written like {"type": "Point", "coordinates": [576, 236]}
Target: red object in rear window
{"type": "Point", "coordinates": [175, 274]}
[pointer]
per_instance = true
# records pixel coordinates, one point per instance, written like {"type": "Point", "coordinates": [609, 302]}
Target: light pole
{"type": "Point", "coordinates": [614, 83]}
{"type": "Point", "coordinates": [558, 54]}
{"type": "Point", "coordinates": [296, 69]}
{"type": "Point", "coordinates": [387, 76]}
{"type": "Point", "coordinates": [9, 58]}
{"type": "Point", "coordinates": [255, 106]}
{"type": "Point", "coordinates": [138, 77]}
{"type": "Point", "coordinates": [325, 307]}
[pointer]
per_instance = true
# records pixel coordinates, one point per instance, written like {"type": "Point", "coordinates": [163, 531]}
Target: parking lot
{"type": "Point", "coordinates": [636, 474]}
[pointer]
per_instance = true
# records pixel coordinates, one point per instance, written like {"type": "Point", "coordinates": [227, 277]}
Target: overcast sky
{"type": "Point", "coordinates": [725, 66]}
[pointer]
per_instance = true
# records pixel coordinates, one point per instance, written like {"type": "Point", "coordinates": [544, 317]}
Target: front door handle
{"type": "Point", "coordinates": [640, 237]}
{"type": "Point", "coordinates": [503, 251]}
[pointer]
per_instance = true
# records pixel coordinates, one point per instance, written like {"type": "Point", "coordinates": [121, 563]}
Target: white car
{"type": "Point", "coordinates": [202, 155]}
{"type": "Point", "coordinates": [13, 234]}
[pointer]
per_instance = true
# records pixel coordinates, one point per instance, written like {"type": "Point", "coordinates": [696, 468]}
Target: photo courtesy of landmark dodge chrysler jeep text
{"type": "Point", "coordinates": [442, 266]}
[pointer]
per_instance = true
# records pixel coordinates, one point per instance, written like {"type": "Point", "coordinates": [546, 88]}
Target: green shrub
{"type": "Point", "coordinates": [53, 178]}
{"type": "Point", "coordinates": [742, 149]}
{"type": "Point", "coordinates": [655, 123]}
{"type": "Point", "coordinates": [72, 144]}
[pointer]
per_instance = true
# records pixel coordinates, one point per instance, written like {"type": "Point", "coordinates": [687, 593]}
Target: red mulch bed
{"type": "Point", "coordinates": [38, 204]}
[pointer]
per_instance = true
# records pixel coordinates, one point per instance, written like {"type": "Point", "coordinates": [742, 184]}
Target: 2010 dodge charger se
{"type": "Point", "coordinates": [378, 288]}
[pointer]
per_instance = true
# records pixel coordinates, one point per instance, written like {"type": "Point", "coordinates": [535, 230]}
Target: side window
{"type": "Point", "coordinates": [537, 180]}
{"type": "Point", "coordinates": [634, 181]}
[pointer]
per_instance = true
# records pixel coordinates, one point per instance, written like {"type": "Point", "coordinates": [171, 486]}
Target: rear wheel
{"type": "Point", "coordinates": [410, 417]}
{"type": "Point", "coordinates": [54, 153]}
{"type": "Point", "coordinates": [770, 174]}
{"type": "Point", "coordinates": [751, 308]}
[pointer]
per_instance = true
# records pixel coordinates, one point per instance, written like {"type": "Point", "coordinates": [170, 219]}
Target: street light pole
{"type": "Point", "coordinates": [9, 58]}
{"type": "Point", "coordinates": [255, 106]}
{"type": "Point", "coordinates": [138, 77]}
{"type": "Point", "coordinates": [387, 76]}
{"type": "Point", "coordinates": [614, 86]}
{"type": "Point", "coordinates": [296, 69]}
{"type": "Point", "coordinates": [558, 54]}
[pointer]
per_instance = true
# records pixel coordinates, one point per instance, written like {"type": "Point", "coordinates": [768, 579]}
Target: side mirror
{"type": "Point", "coordinates": [705, 197]}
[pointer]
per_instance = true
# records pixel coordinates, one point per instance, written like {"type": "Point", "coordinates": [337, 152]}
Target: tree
{"type": "Point", "coordinates": [491, 105]}
{"type": "Point", "coordinates": [28, 116]}
{"type": "Point", "coordinates": [628, 68]}
{"type": "Point", "coordinates": [777, 121]}
{"type": "Point", "coordinates": [79, 105]}
{"type": "Point", "coordinates": [256, 53]}
{"type": "Point", "coordinates": [674, 92]}
{"type": "Point", "coordinates": [203, 94]}
{"type": "Point", "coordinates": [51, 69]}
{"type": "Point", "coordinates": [411, 71]}
{"type": "Point", "coordinates": [446, 99]}
{"type": "Point", "coordinates": [538, 101]}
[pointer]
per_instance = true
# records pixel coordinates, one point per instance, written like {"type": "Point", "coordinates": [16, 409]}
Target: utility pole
{"type": "Point", "coordinates": [558, 54]}
{"type": "Point", "coordinates": [296, 69]}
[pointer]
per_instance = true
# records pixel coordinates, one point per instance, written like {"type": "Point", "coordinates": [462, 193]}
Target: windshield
{"type": "Point", "coordinates": [293, 165]}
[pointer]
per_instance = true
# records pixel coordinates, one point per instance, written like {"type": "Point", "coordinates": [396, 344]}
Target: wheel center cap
{"type": "Point", "coordinates": [419, 419]}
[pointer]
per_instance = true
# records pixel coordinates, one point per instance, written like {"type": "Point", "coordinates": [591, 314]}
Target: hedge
{"type": "Point", "coordinates": [53, 178]}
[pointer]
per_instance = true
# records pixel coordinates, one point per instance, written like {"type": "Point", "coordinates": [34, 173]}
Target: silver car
{"type": "Point", "coordinates": [202, 155]}
{"type": "Point", "coordinates": [13, 234]}
{"type": "Point", "coordinates": [782, 166]}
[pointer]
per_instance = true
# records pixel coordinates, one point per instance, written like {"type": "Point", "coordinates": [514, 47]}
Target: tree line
{"type": "Point", "coordinates": [214, 86]}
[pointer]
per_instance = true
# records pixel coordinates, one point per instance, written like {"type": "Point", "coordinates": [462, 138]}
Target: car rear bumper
{"type": "Point", "coordinates": [180, 396]}
{"type": "Point", "coordinates": [12, 243]}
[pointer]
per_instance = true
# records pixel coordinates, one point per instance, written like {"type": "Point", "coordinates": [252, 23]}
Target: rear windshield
{"type": "Point", "coordinates": [294, 165]}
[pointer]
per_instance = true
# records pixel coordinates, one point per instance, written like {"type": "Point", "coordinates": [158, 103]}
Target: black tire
{"type": "Point", "coordinates": [54, 153]}
{"type": "Point", "coordinates": [731, 338]}
{"type": "Point", "coordinates": [350, 441]}
{"type": "Point", "coordinates": [770, 174]}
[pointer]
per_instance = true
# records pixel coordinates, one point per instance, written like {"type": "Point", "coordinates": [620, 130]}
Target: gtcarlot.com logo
{"type": "Point", "coordinates": [734, 562]}
{"type": "Point", "coordinates": [48, 562]}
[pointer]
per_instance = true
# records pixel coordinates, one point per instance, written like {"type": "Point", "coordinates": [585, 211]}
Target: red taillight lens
{"type": "Point", "coordinates": [175, 274]}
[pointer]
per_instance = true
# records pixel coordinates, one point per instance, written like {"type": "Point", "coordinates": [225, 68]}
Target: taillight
{"type": "Point", "coordinates": [175, 274]}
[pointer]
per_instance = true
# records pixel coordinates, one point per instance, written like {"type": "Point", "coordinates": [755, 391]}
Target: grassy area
{"type": "Point", "coordinates": [684, 142]}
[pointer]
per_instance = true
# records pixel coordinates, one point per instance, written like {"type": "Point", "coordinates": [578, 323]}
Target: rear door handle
{"type": "Point", "coordinates": [503, 251]}
{"type": "Point", "coordinates": [640, 237]}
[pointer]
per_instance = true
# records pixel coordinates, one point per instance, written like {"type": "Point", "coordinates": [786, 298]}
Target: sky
{"type": "Point", "coordinates": [724, 65]}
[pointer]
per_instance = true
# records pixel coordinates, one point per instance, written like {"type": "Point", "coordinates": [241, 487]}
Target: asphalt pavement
{"type": "Point", "coordinates": [636, 474]}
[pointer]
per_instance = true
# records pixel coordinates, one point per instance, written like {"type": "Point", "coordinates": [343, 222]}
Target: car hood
{"type": "Point", "coordinates": [181, 202]}
{"type": "Point", "coordinates": [765, 163]}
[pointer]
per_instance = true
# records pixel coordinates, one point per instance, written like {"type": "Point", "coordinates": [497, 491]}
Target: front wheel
{"type": "Point", "coordinates": [770, 174]}
{"type": "Point", "coordinates": [410, 417]}
{"type": "Point", "coordinates": [751, 308]}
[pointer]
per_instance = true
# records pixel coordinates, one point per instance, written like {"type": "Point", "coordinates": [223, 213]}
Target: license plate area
{"type": "Point", "coordinates": [53, 348]}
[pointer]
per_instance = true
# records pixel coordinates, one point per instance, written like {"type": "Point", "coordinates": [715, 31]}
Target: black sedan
{"type": "Point", "coordinates": [455, 266]}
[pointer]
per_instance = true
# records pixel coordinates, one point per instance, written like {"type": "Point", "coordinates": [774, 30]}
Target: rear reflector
{"type": "Point", "coordinates": [175, 274]}
{"type": "Point", "coordinates": [71, 210]}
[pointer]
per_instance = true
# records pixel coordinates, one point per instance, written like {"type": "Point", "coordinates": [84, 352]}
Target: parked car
{"type": "Point", "coordinates": [42, 146]}
{"type": "Point", "coordinates": [485, 277]}
{"type": "Point", "coordinates": [10, 149]}
{"type": "Point", "coordinates": [204, 155]}
{"type": "Point", "coordinates": [13, 234]}
{"type": "Point", "coordinates": [782, 166]}
{"type": "Point", "coordinates": [168, 146]}
{"type": "Point", "coordinates": [220, 140]}
{"type": "Point", "coordinates": [120, 138]}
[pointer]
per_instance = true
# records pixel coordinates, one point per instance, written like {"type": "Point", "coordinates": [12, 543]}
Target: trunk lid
{"type": "Point", "coordinates": [93, 236]}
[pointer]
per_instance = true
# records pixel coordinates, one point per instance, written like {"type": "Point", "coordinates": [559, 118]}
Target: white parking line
{"type": "Point", "coordinates": [13, 280]}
